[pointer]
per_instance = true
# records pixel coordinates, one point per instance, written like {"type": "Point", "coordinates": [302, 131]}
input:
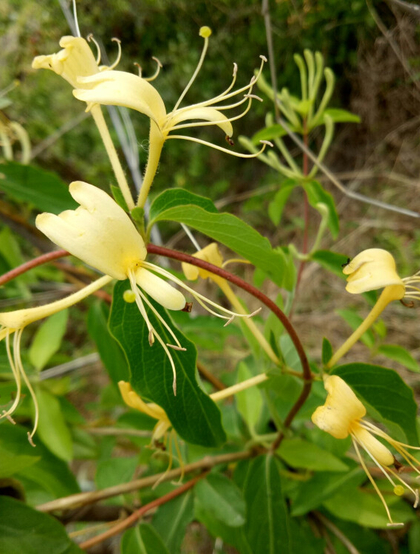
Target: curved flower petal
{"type": "Point", "coordinates": [371, 444]}
{"type": "Point", "coordinates": [11, 321]}
{"type": "Point", "coordinates": [201, 114]}
{"type": "Point", "coordinates": [76, 60]}
{"type": "Point", "coordinates": [211, 254]}
{"type": "Point", "coordinates": [99, 232]}
{"type": "Point", "coordinates": [118, 88]}
{"type": "Point", "coordinates": [161, 291]}
{"type": "Point", "coordinates": [372, 269]}
{"type": "Point", "coordinates": [341, 408]}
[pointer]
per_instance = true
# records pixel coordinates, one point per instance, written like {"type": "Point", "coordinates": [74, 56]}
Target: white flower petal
{"type": "Point", "coordinates": [99, 232]}
{"type": "Point", "coordinates": [372, 269]}
{"type": "Point", "coordinates": [341, 408]}
{"type": "Point", "coordinates": [201, 114]}
{"type": "Point", "coordinates": [118, 88]}
{"type": "Point", "coordinates": [76, 60]}
{"type": "Point", "coordinates": [161, 291]}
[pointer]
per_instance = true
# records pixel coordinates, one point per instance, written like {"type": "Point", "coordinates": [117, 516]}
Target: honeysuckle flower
{"type": "Point", "coordinates": [342, 415]}
{"type": "Point", "coordinates": [133, 400]}
{"type": "Point", "coordinates": [211, 254]}
{"type": "Point", "coordinates": [75, 62]}
{"type": "Point", "coordinates": [120, 88]}
{"type": "Point", "coordinates": [374, 269]}
{"type": "Point", "coordinates": [102, 235]}
{"type": "Point", "coordinates": [12, 325]}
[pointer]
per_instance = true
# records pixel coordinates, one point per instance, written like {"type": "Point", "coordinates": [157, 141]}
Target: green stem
{"type": "Point", "coordinates": [390, 293]}
{"type": "Point", "coordinates": [234, 300]}
{"type": "Point", "coordinates": [112, 154]}
{"type": "Point", "coordinates": [155, 149]}
{"type": "Point", "coordinates": [230, 391]}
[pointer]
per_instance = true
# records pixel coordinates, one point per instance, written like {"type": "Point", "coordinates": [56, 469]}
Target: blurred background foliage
{"type": "Point", "coordinates": [378, 157]}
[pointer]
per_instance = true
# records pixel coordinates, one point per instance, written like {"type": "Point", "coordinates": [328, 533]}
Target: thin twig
{"type": "Point", "coordinates": [45, 258]}
{"type": "Point", "coordinates": [138, 514]}
{"type": "Point", "coordinates": [336, 531]}
{"type": "Point", "coordinates": [84, 498]}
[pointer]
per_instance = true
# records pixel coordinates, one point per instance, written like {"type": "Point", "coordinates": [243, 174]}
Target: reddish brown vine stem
{"type": "Point", "coordinates": [135, 516]}
{"type": "Point", "coordinates": [307, 375]}
{"type": "Point", "coordinates": [180, 256]}
{"type": "Point", "coordinates": [45, 258]}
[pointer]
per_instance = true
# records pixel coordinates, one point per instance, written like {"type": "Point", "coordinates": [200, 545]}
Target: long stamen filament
{"type": "Point", "coordinates": [212, 123]}
{"type": "Point", "coordinates": [162, 321]}
{"type": "Point", "coordinates": [91, 38]}
{"type": "Point", "coordinates": [156, 73]}
{"type": "Point", "coordinates": [194, 75]}
{"type": "Point", "coordinates": [117, 61]}
{"type": "Point", "coordinates": [195, 294]}
{"type": "Point", "coordinates": [224, 96]}
{"type": "Point", "coordinates": [216, 147]}
{"type": "Point", "coordinates": [375, 486]}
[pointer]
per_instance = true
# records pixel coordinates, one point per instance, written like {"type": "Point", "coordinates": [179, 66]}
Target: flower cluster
{"type": "Point", "coordinates": [342, 415]}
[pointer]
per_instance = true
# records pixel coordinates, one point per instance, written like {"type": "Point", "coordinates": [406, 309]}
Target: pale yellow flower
{"type": "Point", "coordinates": [96, 84]}
{"type": "Point", "coordinates": [133, 400]}
{"type": "Point", "coordinates": [12, 325]}
{"type": "Point", "coordinates": [372, 269]}
{"type": "Point", "coordinates": [75, 61]}
{"type": "Point", "coordinates": [342, 415]}
{"type": "Point", "coordinates": [375, 269]}
{"type": "Point", "coordinates": [119, 88]}
{"type": "Point", "coordinates": [102, 235]}
{"type": "Point", "coordinates": [211, 254]}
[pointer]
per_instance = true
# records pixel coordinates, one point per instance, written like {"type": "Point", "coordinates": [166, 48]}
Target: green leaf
{"type": "Point", "coordinates": [267, 528]}
{"type": "Point", "coordinates": [43, 189]}
{"type": "Point", "coordinates": [327, 351]}
{"type": "Point", "coordinates": [52, 428]}
{"type": "Point", "coordinates": [45, 480]}
{"type": "Point", "coordinates": [47, 339]}
{"type": "Point", "coordinates": [109, 350]}
{"type": "Point", "coordinates": [400, 355]}
{"type": "Point", "coordinates": [323, 485]}
{"type": "Point", "coordinates": [115, 471]}
{"type": "Point", "coordinates": [386, 392]}
{"type": "Point", "coordinates": [11, 463]}
{"type": "Point", "coordinates": [275, 208]}
{"type": "Point", "coordinates": [317, 194]}
{"type": "Point", "coordinates": [143, 539]}
{"type": "Point", "coordinates": [354, 320]}
{"type": "Point", "coordinates": [234, 536]}
{"type": "Point", "coordinates": [222, 499]}
{"type": "Point", "coordinates": [341, 116]}
{"type": "Point", "coordinates": [366, 509]}
{"type": "Point", "coordinates": [25, 530]}
{"type": "Point", "coordinates": [230, 231]}
{"type": "Point", "coordinates": [307, 455]}
{"type": "Point", "coordinates": [269, 133]}
{"type": "Point", "coordinates": [249, 402]}
{"type": "Point", "coordinates": [172, 519]}
{"type": "Point", "coordinates": [192, 413]}
{"type": "Point", "coordinates": [172, 198]}
{"type": "Point", "coordinates": [331, 260]}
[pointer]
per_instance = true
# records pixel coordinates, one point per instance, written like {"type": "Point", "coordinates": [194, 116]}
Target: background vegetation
{"type": "Point", "coordinates": [375, 54]}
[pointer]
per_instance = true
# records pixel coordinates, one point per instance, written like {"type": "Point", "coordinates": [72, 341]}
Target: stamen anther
{"type": "Point", "coordinates": [176, 347]}
{"type": "Point", "coordinates": [229, 321]}
{"type": "Point", "coordinates": [31, 442]}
